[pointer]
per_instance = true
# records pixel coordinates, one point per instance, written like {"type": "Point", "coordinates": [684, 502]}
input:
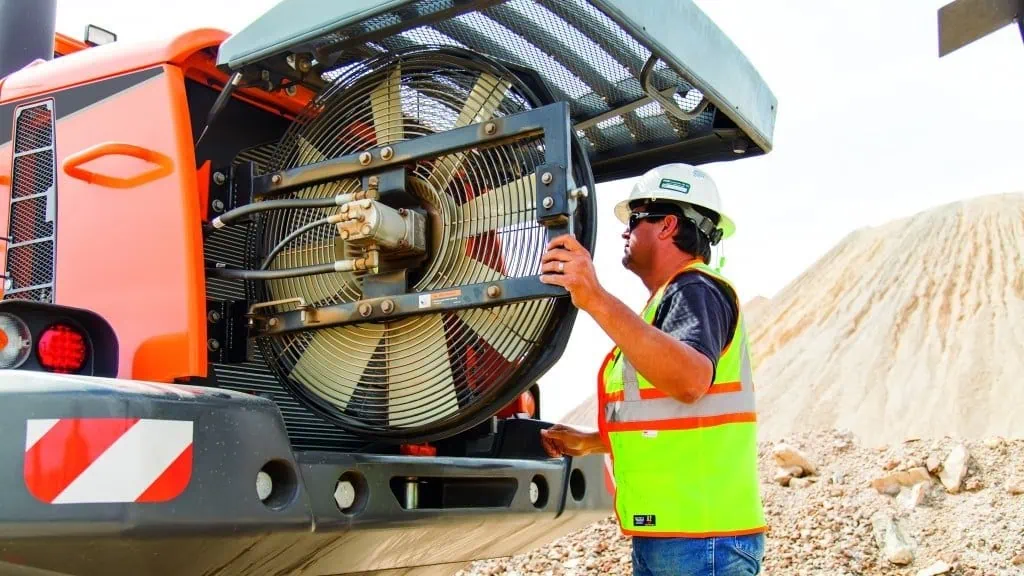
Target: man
{"type": "Point", "coordinates": [675, 396]}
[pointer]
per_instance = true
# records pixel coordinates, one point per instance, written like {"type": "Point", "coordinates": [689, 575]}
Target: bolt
{"type": "Point", "coordinates": [387, 306]}
{"type": "Point", "coordinates": [217, 205]}
{"type": "Point", "coordinates": [365, 158]}
{"type": "Point", "coordinates": [490, 128]}
{"type": "Point", "coordinates": [344, 495]}
{"type": "Point", "coordinates": [374, 181]}
{"type": "Point", "coordinates": [548, 202]}
{"type": "Point", "coordinates": [272, 322]}
{"type": "Point", "coordinates": [219, 178]}
{"type": "Point", "coordinates": [365, 230]}
{"type": "Point", "coordinates": [547, 178]}
{"type": "Point", "coordinates": [291, 90]}
{"type": "Point", "coordinates": [213, 344]}
{"type": "Point", "coordinates": [387, 153]}
{"type": "Point", "coordinates": [265, 75]}
{"type": "Point", "coordinates": [365, 309]}
{"type": "Point", "coordinates": [213, 316]}
{"type": "Point", "coordinates": [304, 65]}
{"type": "Point", "coordinates": [345, 234]}
{"type": "Point", "coordinates": [493, 291]}
{"type": "Point", "coordinates": [402, 211]}
{"type": "Point", "coordinates": [275, 179]}
{"type": "Point", "coordinates": [403, 243]}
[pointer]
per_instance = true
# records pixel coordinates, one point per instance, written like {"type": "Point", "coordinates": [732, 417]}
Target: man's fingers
{"type": "Point", "coordinates": [557, 254]}
{"type": "Point", "coordinates": [555, 279]}
{"type": "Point", "coordinates": [559, 266]}
{"type": "Point", "coordinates": [566, 241]}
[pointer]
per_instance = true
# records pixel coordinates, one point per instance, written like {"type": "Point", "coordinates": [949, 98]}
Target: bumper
{"type": "Point", "coordinates": [121, 477]}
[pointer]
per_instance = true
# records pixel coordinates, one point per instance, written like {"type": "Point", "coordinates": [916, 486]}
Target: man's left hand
{"type": "Point", "coordinates": [567, 263]}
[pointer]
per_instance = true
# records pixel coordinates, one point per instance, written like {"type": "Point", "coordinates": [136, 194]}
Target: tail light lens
{"type": "Point", "coordinates": [62, 349]}
{"type": "Point", "coordinates": [15, 341]}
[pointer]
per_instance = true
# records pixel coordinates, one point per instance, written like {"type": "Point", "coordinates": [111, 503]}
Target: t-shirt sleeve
{"type": "Point", "coordinates": [700, 312]}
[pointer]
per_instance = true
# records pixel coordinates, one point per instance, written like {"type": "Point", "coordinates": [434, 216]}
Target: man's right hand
{"type": "Point", "coordinates": [564, 440]}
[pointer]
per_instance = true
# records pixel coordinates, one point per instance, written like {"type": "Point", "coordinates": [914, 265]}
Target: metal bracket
{"type": "Point", "coordinates": [667, 103]}
{"type": "Point", "coordinates": [230, 187]}
{"type": "Point", "coordinates": [226, 333]}
{"type": "Point", "coordinates": [553, 197]}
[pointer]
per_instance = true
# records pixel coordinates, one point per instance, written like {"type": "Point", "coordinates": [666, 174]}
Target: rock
{"type": "Point", "coordinates": [891, 464]}
{"type": "Point", "coordinates": [1018, 560]}
{"type": "Point", "coordinates": [933, 463]}
{"type": "Point", "coordinates": [973, 485]}
{"type": "Point", "coordinates": [936, 569]}
{"type": "Point", "coordinates": [1015, 486]}
{"type": "Point", "coordinates": [800, 482]}
{"type": "Point", "coordinates": [897, 547]}
{"type": "Point", "coordinates": [787, 456]}
{"type": "Point", "coordinates": [954, 469]}
{"type": "Point", "coordinates": [993, 442]}
{"type": "Point", "coordinates": [910, 498]}
{"type": "Point", "coordinates": [890, 483]}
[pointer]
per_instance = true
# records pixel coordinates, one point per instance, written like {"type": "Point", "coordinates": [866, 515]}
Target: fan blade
{"type": "Point", "coordinates": [510, 341]}
{"type": "Point", "coordinates": [336, 356]}
{"type": "Point", "coordinates": [507, 205]}
{"type": "Point", "coordinates": [460, 267]}
{"type": "Point", "coordinates": [421, 387]}
{"type": "Point", "coordinates": [481, 103]}
{"type": "Point", "coordinates": [386, 101]}
{"type": "Point", "coordinates": [483, 100]}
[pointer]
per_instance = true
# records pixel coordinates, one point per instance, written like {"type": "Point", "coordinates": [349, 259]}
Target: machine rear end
{"type": "Point", "coordinates": [319, 241]}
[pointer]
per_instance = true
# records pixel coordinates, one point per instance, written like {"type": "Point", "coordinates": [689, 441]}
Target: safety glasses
{"type": "Point", "coordinates": [636, 217]}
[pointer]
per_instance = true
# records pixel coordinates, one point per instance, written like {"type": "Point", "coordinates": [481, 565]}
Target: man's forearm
{"type": "Point", "coordinates": [670, 365]}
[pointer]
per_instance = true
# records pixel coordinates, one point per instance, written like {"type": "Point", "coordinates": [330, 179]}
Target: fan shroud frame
{"type": "Point", "coordinates": [550, 342]}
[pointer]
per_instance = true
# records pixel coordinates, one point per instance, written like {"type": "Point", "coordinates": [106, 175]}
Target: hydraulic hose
{"type": "Point", "coordinates": [293, 235]}
{"type": "Point", "coordinates": [233, 274]}
{"type": "Point", "coordinates": [232, 216]}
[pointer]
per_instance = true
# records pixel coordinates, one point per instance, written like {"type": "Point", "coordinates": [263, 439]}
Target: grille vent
{"type": "Point", "coordinates": [33, 212]}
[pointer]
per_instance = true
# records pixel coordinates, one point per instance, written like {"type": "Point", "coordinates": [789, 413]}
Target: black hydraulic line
{"type": "Point", "coordinates": [294, 234]}
{"type": "Point", "coordinates": [287, 203]}
{"type": "Point", "coordinates": [219, 104]}
{"type": "Point", "coordinates": [236, 274]}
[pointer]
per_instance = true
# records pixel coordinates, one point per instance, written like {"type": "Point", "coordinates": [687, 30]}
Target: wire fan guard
{"type": "Point", "coordinates": [426, 376]}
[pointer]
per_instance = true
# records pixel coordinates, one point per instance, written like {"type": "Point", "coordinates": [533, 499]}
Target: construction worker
{"type": "Point", "coordinates": [675, 396]}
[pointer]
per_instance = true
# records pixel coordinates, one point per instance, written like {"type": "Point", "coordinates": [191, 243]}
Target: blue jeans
{"type": "Point", "coordinates": [717, 556]}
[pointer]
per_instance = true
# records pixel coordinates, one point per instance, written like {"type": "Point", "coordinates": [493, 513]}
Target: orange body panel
{"type": "Point", "coordinates": [134, 255]}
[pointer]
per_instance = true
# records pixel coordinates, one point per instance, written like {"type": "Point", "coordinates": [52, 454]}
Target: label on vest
{"type": "Point", "coordinates": [643, 520]}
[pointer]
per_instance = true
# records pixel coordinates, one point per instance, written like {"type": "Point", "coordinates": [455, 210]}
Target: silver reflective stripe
{"type": "Point", "coordinates": [670, 408]}
{"type": "Point", "coordinates": [630, 385]}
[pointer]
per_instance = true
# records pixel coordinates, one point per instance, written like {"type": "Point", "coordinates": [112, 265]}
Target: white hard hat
{"type": "Point", "coordinates": [680, 184]}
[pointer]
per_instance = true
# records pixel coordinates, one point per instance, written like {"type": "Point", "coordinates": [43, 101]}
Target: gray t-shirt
{"type": "Point", "coordinates": [700, 312]}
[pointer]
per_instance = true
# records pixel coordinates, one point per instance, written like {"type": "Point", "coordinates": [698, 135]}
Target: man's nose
{"type": "Point", "coordinates": [625, 233]}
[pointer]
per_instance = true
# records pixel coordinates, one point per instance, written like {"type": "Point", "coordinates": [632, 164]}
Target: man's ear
{"type": "Point", "coordinates": [669, 224]}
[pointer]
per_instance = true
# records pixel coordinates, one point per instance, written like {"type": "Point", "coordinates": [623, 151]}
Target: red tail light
{"type": "Point", "coordinates": [62, 349]}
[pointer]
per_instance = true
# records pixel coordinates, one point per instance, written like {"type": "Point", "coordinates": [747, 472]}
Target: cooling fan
{"type": "Point", "coordinates": [401, 229]}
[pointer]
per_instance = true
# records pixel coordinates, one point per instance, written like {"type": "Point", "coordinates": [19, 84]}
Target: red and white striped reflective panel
{"type": "Point", "coordinates": [104, 460]}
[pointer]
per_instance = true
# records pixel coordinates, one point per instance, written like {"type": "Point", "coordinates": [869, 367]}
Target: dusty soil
{"type": "Point", "coordinates": [838, 523]}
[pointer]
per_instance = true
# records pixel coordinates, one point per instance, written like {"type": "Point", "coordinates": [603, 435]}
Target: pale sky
{"type": "Point", "coordinates": [872, 126]}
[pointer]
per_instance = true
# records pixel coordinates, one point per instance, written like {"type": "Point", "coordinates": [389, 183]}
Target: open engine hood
{"type": "Point", "coordinates": [592, 54]}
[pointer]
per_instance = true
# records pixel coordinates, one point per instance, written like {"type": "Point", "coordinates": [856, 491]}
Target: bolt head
{"type": "Point", "coordinates": [548, 202]}
{"type": "Point", "coordinates": [275, 179]}
{"type": "Point", "coordinates": [547, 178]}
{"type": "Point", "coordinates": [365, 310]}
{"type": "Point", "coordinates": [493, 291]}
{"type": "Point", "coordinates": [374, 181]}
{"type": "Point", "coordinates": [387, 306]}
{"type": "Point", "coordinates": [365, 230]}
{"type": "Point", "coordinates": [344, 234]}
{"type": "Point", "coordinates": [365, 158]}
{"type": "Point", "coordinates": [291, 90]}
{"type": "Point", "coordinates": [490, 128]}
{"type": "Point", "coordinates": [213, 316]}
{"type": "Point", "coordinates": [213, 344]}
{"type": "Point", "coordinates": [217, 205]}
{"type": "Point", "coordinates": [219, 178]}
{"type": "Point", "coordinates": [344, 495]}
{"type": "Point", "coordinates": [387, 153]}
{"type": "Point", "coordinates": [272, 322]}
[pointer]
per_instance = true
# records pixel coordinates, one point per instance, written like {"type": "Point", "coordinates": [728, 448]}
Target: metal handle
{"type": "Point", "coordinates": [668, 104]}
{"type": "Point", "coordinates": [73, 165]}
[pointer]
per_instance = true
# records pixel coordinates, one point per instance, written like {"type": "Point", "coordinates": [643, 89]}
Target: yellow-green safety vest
{"type": "Point", "coordinates": [681, 469]}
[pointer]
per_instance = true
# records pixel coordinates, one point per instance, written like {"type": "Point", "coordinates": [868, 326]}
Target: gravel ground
{"type": "Point", "coordinates": [920, 507]}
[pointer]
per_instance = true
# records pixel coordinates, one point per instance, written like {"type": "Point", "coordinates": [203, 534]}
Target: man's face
{"type": "Point", "coordinates": [641, 240]}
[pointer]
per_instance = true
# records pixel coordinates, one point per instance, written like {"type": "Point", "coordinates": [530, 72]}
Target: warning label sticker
{"type": "Point", "coordinates": [440, 298]}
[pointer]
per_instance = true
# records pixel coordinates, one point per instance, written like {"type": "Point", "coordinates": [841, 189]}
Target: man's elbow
{"type": "Point", "coordinates": [690, 394]}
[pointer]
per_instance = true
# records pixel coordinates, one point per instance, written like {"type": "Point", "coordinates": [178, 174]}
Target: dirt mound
{"type": "Point", "coordinates": [849, 518]}
{"type": "Point", "coordinates": [911, 328]}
